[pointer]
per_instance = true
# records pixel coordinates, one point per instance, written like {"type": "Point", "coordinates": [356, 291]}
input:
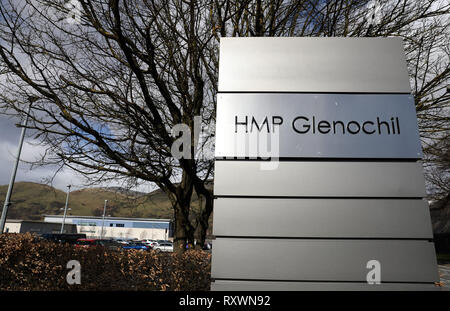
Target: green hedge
{"type": "Point", "coordinates": [28, 263]}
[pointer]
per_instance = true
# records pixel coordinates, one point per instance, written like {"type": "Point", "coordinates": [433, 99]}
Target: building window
{"type": "Point", "coordinates": [87, 224]}
{"type": "Point", "coordinates": [120, 225]}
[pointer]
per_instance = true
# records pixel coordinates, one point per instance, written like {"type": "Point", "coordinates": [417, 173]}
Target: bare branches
{"type": "Point", "coordinates": [113, 85]}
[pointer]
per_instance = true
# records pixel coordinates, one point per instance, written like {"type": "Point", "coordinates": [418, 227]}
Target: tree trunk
{"type": "Point", "coordinates": [203, 218]}
{"type": "Point", "coordinates": [183, 231]}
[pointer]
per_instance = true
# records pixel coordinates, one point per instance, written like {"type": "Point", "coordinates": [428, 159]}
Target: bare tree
{"type": "Point", "coordinates": [438, 168]}
{"type": "Point", "coordinates": [114, 77]}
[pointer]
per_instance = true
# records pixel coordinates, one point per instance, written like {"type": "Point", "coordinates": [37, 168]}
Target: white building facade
{"type": "Point", "coordinates": [38, 227]}
{"type": "Point", "coordinates": [118, 227]}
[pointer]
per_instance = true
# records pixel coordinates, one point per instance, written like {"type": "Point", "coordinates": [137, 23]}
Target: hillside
{"type": "Point", "coordinates": [32, 200]}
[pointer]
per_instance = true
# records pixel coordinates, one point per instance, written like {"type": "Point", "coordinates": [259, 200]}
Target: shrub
{"type": "Point", "coordinates": [28, 263]}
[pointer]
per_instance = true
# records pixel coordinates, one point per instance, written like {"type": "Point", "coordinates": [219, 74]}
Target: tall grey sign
{"type": "Point", "coordinates": [318, 180]}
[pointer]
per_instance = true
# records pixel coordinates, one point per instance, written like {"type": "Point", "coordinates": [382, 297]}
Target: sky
{"type": "Point", "coordinates": [9, 141]}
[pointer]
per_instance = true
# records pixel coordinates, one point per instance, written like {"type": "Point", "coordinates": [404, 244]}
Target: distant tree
{"type": "Point", "coordinates": [114, 77]}
{"type": "Point", "coordinates": [56, 205]}
{"type": "Point", "coordinates": [97, 212]}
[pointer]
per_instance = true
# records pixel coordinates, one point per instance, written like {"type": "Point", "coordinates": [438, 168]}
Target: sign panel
{"type": "Point", "coordinates": [353, 65]}
{"type": "Point", "coordinates": [319, 179]}
{"type": "Point", "coordinates": [317, 126]}
{"type": "Point", "coordinates": [238, 285]}
{"type": "Point", "coordinates": [322, 259]}
{"type": "Point", "coordinates": [317, 172]}
{"type": "Point", "coordinates": [320, 217]}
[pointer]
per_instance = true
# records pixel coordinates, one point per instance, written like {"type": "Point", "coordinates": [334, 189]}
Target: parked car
{"type": "Point", "coordinates": [120, 241]}
{"type": "Point", "coordinates": [108, 244]}
{"type": "Point", "coordinates": [207, 246]}
{"type": "Point", "coordinates": [163, 247]}
{"type": "Point", "coordinates": [86, 243]}
{"type": "Point", "coordinates": [136, 245]}
{"type": "Point", "coordinates": [70, 238]}
{"type": "Point", "coordinates": [111, 244]}
{"type": "Point", "coordinates": [150, 243]}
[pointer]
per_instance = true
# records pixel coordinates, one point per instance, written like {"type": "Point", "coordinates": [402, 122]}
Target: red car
{"type": "Point", "coordinates": [88, 243]}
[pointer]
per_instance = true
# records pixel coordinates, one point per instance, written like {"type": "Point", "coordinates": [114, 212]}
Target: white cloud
{"type": "Point", "coordinates": [30, 153]}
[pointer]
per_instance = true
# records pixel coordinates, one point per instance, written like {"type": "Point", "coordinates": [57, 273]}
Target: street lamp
{"type": "Point", "coordinates": [16, 164]}
{"type": "Point", "coordinates": [65, 209]}
{"type": "Point", "coordinates": [103, 220]}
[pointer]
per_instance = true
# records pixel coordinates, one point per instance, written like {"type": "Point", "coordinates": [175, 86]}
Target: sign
{"type": "Point", "coordinates": [331, 65]}
{"type": "Point", "coordinates": [340, 205]}
{"type": "Point", "coordinates": [302, 179]}
{"type": "Point", "coordinates": [317, 125]}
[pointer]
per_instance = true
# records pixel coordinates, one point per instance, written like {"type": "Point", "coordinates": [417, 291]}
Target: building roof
{"type": "Point", "coordinates": [15, 220]}
{"type": "Point", "coordinates": [111, 218]}
{"type": "Point", "coordinates": [22, 220]}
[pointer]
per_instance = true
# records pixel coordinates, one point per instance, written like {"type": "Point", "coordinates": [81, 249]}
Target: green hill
{"type": "Point", "coordinates": [30, 201]}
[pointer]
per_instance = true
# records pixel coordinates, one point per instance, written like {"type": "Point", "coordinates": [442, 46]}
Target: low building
{"type": "Point", "coordinates": [38, 227]}
{"type": "Point", "coordinates": [118, 227]}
